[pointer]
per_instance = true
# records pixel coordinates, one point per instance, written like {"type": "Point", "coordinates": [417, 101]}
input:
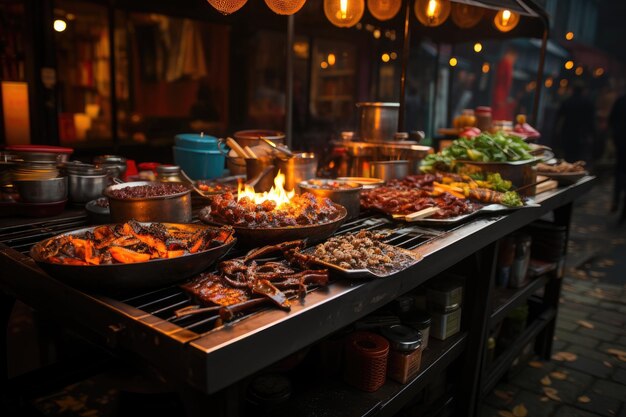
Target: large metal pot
{"type": "Point", "coordinates": [42, 191]}
{"type": "Point", "coordinates": [300, 167]}
{"type": "Point", "coordinates": [348, 197]}
{"type": "Point", "coordinates": [175, 208]}
{"type": "Point", "coordinates": [389, 170]}
{"type": "Point", "coordinates": [377, 122]}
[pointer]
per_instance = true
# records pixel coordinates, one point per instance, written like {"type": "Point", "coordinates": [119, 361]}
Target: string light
{"type": "Point", "coordinates": [59, 25]}
{"type": "Point", "coordinates": [432, 12]}
{"type": "Point", "coordinates": [478, 47]}
{"type": "Point", "coordinates": [506, 20]}
{"type": "Point", "coordinates": [549, 82]}
{"type": "Point", "coordinates": [344, 13]}
{"type": "Point", "coordinates": [486, 67]}
{"type": "Point", "coordinates": [384, 9]}
{"type": "Point", "coordinates": [324, 64]}
{"type": "Point", "coordinates": [285, 7]}
{"type": "Point", "coordinates": [569, 36]}
{"type": "Point", "coordinates": [466, 16]}
{"type": "Point", "coordinates": [331, 59]}
{"type": "Point", "coordinates": [599, 72]}
{"type": "Point", "coordinates": [579, 70]}
{"type": "Point", "coordinates": [453, 61]}
{"type": "Point", "coordinates": [569, 65]}
{"type": "Point", "coordinates": [385, 57]}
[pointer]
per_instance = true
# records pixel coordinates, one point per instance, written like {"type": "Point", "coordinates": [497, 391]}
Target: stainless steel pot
{"type": "Point", "coordinates": [301, 167]}
{"type": "Point", "coordinates": [377, 122]}
{"type": "Point", "coordinates": [42, 191]}
{"type": "Point", "coordinates": [350, 198]}
{"type": "Point", "coordinates": [175, 208]}
{"type": "Point", "coordinates": [114, 165]}
{"type": "Point", "coordinates": [389, 170]}
{"type": "Point", "coordinates": [251, 137]}
{"type": "Point", "coordinates": [84, 188]}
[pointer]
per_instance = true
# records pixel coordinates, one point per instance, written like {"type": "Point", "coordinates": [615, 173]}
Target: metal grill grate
{"type": "Point", "coordinates": [163, 302]}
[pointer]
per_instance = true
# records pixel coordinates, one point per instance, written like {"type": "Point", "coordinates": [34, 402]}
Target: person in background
{"type": "Point", "coordinates": [502, 105]}
{"type": "Point", "coordinates": [617, 123]}
{"type": "Point", "coordinates": [575, 125]}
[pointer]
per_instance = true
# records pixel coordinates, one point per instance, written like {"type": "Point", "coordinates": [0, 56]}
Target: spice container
{"type": "Point", "coordinates": [366, 361]}
{"type": "Point", "coordinates": [168, 173]}
{"type": "Point", "coordinates": [446, 324]}
{"type": "Point", "coordinates": [444, 292]}
{"type": "Point", "coordinates": [405, 353]}
{"type": "Point", "coordinates": [483, 118]}
{"type": "Point", "coordinates": [420, 320]}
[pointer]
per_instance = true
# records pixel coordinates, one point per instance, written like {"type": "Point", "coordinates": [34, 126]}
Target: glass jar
{"type": "Point", "coordinates": [405, 353]}
{"type": "Point", "coordinates": [168, 173]}
{"type": "Point", "coordinates": [420, 320]}
{"type": "Point", "coordinates": [483, 118]}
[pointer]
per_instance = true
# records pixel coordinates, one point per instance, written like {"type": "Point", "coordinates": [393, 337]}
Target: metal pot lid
{"type": "Point", "coordinates": [168, 169]}
{"type": "Point", "coordinates": [109, 159]}
{"type": "Point", "coordinates": [78, 168]}
{"type": "Point", "coordinates": [403, 338]}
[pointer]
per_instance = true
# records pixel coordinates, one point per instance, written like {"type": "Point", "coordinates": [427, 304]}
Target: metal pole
{"type": "Point", "coordinates": [289, 100]}
{"type": "Point", "coordinates": [406, 46]}
{"type": "Point", "coordinates": [542, 59]}
{"type": "Point", "coordinates": [113, 76]}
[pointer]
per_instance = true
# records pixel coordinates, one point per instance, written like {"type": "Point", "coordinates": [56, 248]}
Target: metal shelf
{"type": "Point", "coordinates": [506, 358]}
{"type": "Point", "coordinates": [346, 401]}
{"type": "Point", "coordinates": [506, 299]}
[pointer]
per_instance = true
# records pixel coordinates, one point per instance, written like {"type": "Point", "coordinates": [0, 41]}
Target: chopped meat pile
{"type": "Point", "coordinates": [362, 250]}
{"type": "Point", "coordinates": [304, 209]}
{"type": "Point", "coordinates": [148, 190]}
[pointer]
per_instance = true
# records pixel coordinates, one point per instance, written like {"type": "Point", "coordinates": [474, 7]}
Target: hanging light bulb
{"type": "Point", "coordinates": [432, 12]}
{"type": "Point", "coordinates": [285, 7]}
{"type": "Point", "coordinates": [227, 6]}
{"type": "Point", "coordinates": [59, 25]}
{"type": "Point", "coordinates": [344, 13]}
{"type": "Point", "coordinates": [506, 20]}
{"type": "Point", "coordinates": [384, 9]}
{"type": "Point", "coordinates": [466, 16]}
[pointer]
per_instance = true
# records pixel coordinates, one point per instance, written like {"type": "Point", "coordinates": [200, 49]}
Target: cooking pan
{"type": "Point", "coordinates": [118, 278]}
{"type": "Point", "coordinates": [257, 236]}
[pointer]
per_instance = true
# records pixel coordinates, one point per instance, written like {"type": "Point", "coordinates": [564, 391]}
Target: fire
{"type": "Point", "coordinates": [277, 193]}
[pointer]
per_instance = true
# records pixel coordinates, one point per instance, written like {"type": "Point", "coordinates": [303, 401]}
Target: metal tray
{"type": "Point", "coordinates": [488, 209]}
{"type": "Point", "coordinates": [367, 273]}
{"type": "Point", "coordinates": [116, 278]}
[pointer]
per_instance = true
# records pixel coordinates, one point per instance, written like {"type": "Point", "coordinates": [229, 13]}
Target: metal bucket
{"type": "Point", "coordinates": [377, 122]}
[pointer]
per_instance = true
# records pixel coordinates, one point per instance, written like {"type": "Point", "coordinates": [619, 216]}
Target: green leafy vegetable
{"type": "Point", "coordinates": [512, 199]}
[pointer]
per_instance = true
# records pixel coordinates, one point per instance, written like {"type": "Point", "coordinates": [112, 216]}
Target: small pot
{"type": "Point", "coordinates": [301, 167]}
{"type": "Point", "coordinates": [84, 188]}
{"type": "Point", "coordinates": [350, 198]}
{"type": "Point", "coordinates": [377, 122]}
{"type": "Point", "coordinates": [389, 170]}
{"type": "Point", "coordinates": [175, 208]}
{"type": "Point", "coordinates": [42, 191]}
{"type": "Point", "coordinates": [251, 137]}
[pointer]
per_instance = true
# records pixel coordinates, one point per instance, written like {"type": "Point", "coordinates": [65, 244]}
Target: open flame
{"type": "Point", "coordinates": [277, 193]}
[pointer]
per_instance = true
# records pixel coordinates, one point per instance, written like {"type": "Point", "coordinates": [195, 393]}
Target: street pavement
{"type": "Point", "coordinates": [587, 374]}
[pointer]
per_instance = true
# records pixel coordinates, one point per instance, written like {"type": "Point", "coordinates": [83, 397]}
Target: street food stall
{"type": "Point", "coordinates": [410, 284]}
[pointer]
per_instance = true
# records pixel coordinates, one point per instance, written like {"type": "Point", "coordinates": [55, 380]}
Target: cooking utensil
{"type": "Point", "coordinates": [250, 237]}
{"type": "Point", "coordinates": [126, 277]}
{"type": "Point", "coordinates": [168, 208]}
{"type": "Point", "coordinates": [389, 170]}
{"type": "Point", "coordinates": [278, 148]}
{"type": "Point", "coordinates": [42, 191]}
{"type": "Point", "coordinates": [347, 197]}
{"type": "Point", "coordinates": [377, 122]}
{"type": "Point", "coordinates": [260, 173]}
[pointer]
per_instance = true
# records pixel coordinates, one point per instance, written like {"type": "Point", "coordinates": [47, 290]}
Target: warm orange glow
{"type": "Point", "coordinates": [277, 193]}
{"type": "Point", "coordinates": [376, 34]}
{"type": "Point", "coordinates": [569, 36]}
{"type": "Point", "coordinates": [384, 9]}
{"type": "Point", "coordinates": [227, 6]}
{"type": "Point", "coordinates": [331, 59]}
{"type": "Point", "coordinates": [466, 16]}
{"type": "Point", "coordinates": [59, 25]}
{"type": "Point", "coordinates": [506, 20]}
{"type": "Point", "coordinates": [569, 65]}
{"type": "Point", "coordinates": [478, 47]}
{"type": "Point", "coordinates": [432, 12]}
{"type": "Point", "coordinates": [344, 13]}
{"type": "Point", "coordinates": [549, 82]}
{"type": "Point", "coordinates": [486, 67]}
{"type": "Point", "coordinates": [599, 72]}
{"type": "Point", "coordinates": [563, 83]}
{"type": "Point", "coordinates": [324, 64]}
{"type": "Point", "coordinates": [393, 55]}
{"type": "Point", "coordinates": [453, 61]}
{"type": "Point", "coordinates": [579, 71]}
{"type": "Point", "coordinates": [285, 7]}
{"type": "Point", "coordinates": [385, 57]}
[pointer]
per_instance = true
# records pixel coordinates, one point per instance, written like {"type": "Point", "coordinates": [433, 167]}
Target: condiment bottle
{"type": "Point", "coordinates": [483, 118]}
{"type": "Point", "coordinates": [405, 353]}
{"type": "Point", "coordinates": [168, 173]}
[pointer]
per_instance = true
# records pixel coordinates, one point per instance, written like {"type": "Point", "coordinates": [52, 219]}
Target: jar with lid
{"type": "Point", "coordinates": [420, 320]}
{"type": "Point", "coordinates": [168, 173]}
{"type": "Point", "coordinates": [483, 118]}
{"type": "Point", "coordinates": [405, 352]}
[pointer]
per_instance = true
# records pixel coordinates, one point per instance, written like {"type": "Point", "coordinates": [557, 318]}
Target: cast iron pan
{"type": "Point", "coordinates": [124, 278]}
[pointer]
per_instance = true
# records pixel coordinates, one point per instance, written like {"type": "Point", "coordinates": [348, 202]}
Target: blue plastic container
{"type": "Point", "coordinates": [196, 141]}
{"type": "Point", "coordinates": [200, 164]}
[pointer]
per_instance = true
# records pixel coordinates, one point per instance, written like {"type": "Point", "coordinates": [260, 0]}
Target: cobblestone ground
{"type": "Point", "coordinates": [589, 379]}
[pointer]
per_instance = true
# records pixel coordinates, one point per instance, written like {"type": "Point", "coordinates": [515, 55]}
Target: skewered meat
{"type": "Point", "coordinates": [406, 201]}
{"type": "Point", "coordinates": [304, 209]}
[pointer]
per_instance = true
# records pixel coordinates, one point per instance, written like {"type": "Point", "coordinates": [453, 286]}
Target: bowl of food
{"type": "Point", "coordinates": [149, 201]}
{"type": "Point", "coordinates": [133, 255]}
{"type": "Point", "coordinates": [344, 193]}
{"type": "Point", "coordinates": [565, 173]}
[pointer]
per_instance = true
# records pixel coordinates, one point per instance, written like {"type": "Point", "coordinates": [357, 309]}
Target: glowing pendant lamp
{"type": "Point", "coordinates": [466, 16]}
{"type": "Point", "coordinates": [285, 7]}
{"type": "Point", "coordinates": [227, 6]}
{"type": "Point", "coordinates": [432, 12]}
{"type": "Point", "coordinates": [384, 9]}
{"type": "Point", "coordinates": [344, 13]}
{"type": "Point", "coordinates": [506, 20]}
